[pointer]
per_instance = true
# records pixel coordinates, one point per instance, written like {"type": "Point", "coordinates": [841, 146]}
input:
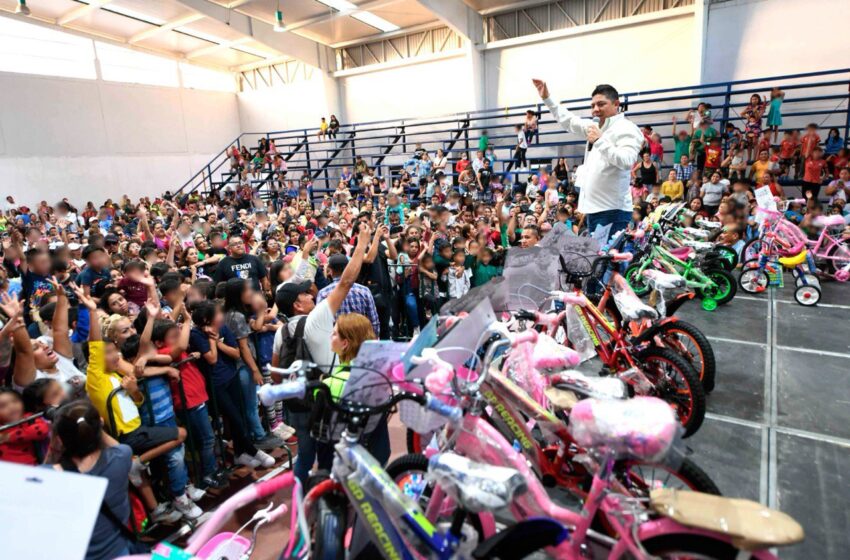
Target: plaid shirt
{"type": "Point", "coordinates": [683, 173]}
{"type": "Point", "coordinates": [359, 300]}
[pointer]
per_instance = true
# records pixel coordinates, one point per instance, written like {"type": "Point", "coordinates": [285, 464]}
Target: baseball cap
{"type": "Point", "coordinates": [110, 238]}
{"type": "Point", "coordinates": [288, 293]}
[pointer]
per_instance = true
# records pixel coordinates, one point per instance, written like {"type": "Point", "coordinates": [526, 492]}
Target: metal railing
{"type": "Point", "coordinates": [821, 97]}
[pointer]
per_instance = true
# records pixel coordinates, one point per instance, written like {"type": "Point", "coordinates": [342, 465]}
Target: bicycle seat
{"type": "Point", "coordinates": [681, 253]}
{"type": "Point", "coordinates": [475, 486]}
{"type": "Point", "coordinates": [641, 428]}
{"type": "Point", "coordinates": [632, 308]}
{"type": "Point", "coordinates": [830, 221]}
{"type": "Point", "coordinates": [791, 262]}
{"type": "Point", "coordinates": [751, 525]}
{"type": "Point", "coordinates": [659, 280]}
{"type": "Point", "coordinates": [598, 387]}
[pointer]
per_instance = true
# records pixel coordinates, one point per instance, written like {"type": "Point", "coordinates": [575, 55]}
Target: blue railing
{"type": "Point", "coordinates": [808, 99]}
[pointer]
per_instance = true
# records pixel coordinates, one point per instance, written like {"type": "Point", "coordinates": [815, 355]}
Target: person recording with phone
{"type": "Point", "coordinates": [613, 145]}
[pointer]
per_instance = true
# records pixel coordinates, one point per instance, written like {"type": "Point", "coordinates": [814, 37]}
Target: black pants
{"type": "Point", "coordinates": [227, 398]}
{"type": "Point", "coordinates": [383, 305]}
{"type": "Point", "coordinates": [813, 188]}
{"type": "Point", "coordinates": [519, 157]}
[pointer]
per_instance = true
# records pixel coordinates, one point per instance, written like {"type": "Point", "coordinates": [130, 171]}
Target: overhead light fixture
{"type": "Point", "coordinates": [375, 21]}
{"type": "Point", "coordinates": [22, 8]}
{"type": "Point", "coordinates": [278, 21]}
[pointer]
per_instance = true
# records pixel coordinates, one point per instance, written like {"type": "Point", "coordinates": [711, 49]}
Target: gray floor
{"type": "Point", "coordinates": [778, 428]}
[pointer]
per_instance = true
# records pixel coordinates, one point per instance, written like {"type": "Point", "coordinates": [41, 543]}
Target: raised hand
{"type": "Point", "coordinates": [542, 88]}
{"type": "Point", "coordinates": [153, 308]}
{"type": "Point", "coordinates": [58, 288]}
{"type": "Point", "coordinates": [11, 305]}
{"type": "Point", "coordinates": [85, 301]}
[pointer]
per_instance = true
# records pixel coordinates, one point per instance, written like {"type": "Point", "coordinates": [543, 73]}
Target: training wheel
{"type": "Point", "coordinates": [709, 304]}
{"type": "Point", "coordinates": [842, 275]}
{"type": "Point", "coordinates": [809, 279]}
{"type": "Point", "coordinates": [807, 295]}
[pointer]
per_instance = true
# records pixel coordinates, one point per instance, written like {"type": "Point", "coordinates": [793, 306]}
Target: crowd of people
{"type": "Point", "coordinates": [152, 321]}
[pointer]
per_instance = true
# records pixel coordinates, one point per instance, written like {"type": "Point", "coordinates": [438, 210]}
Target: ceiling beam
{"type": "Point", "coordinates": [332, 14]}
{"type": "Point", "coordinates": [213, 48]}
{"type": "Point", "coordinates": [167, 26]}
{"type": "Point", "coordinates": [77, 13]}
{"type": "Point", "coordinates": [288, 44]}
{"type": "Point", "coordinates": [460, 17]}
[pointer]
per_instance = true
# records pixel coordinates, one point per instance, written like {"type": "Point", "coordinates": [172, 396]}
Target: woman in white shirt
{"type": "Point", "coordinates": [440, 161]}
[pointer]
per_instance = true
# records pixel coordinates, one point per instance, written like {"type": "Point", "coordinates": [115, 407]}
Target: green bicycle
{"type": "Point", "coordinates": [714, 285]}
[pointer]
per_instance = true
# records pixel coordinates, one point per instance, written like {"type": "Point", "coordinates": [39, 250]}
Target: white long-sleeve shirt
{"type": "Point", "coordinates": [605, 174]}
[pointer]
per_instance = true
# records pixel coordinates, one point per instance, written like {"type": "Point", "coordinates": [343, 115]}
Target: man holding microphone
{"type": "Point", "coordinates": [613, 144]}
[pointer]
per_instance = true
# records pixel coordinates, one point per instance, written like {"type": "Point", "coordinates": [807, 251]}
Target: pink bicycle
{"type": "Point", "coordinates": [829, 250]}
{"type": "Point", "coordinates": [671, 524]}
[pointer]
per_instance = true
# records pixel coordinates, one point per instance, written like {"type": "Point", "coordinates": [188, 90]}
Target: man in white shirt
{"type": "Point", "coordinates": [521, 148]}
{"type": "Point", "coordinates": [612, 148]}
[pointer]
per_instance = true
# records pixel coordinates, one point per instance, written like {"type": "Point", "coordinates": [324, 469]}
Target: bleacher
{"type": "Point", "coordinates": [819, 97]}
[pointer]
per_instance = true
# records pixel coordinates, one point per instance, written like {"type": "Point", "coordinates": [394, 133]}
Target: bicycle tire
{"type": "Point", "coordinates": [728, 253]}
{"type": "Point", "coordinates": [708, 370]}
{"type": "Point", "coordinates": [677, 545]}
{"type": "Point", "coordinates": [686, 374]}
{"type": "Point", "coordinates": [832, 265]}
{"type": "Point", "coordinates": [753, 280]}
{"type": "Point", "coordinates": [693, 477]}
{"type": "Point", "coordinates": [715, 275]}
{"type": "Point", "coordinates": [418, 463]}
{"type": "Point", "coordinates": [634, 280]}
{"type": "Point", "coordinates": [751, 250]}
{"type": "Point", "coordinates": [329, 528]}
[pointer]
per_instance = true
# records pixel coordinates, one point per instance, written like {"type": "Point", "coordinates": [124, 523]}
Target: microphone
{"type": "Point", "coordinates": [590, 144]}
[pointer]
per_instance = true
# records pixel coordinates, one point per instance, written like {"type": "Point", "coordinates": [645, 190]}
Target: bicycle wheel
{"type": "Point", "coordinates": [689, 545]}
{"type": "Point", "coordinates": [636, 281]}
{"type": "Point", "coordinates": [408, 472]}
{"type": "Point", "coordinates": [640, 478]}
{"type": "Point", "coordinates": [676, 382]}
{"type": "Point", "coordinates": [724, 288]}
{"type": "Point", "coordinates": [751, 249]}
{"type": "Point", "coordinates": [839, 258]}
{"type": "Point", "coordinates": [690, 343]}
{"type": "Point", "coordinates": [753, 280]}
{"type": "Point", "coordinates": [728, 254]}
{"type": "Point", "coordinates": [329, 528]}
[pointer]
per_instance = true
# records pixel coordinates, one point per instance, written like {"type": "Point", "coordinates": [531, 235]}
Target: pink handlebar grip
{"type": "Point", "coordinates": [526, 336]}
{"type": "Point", "coordinates": [271, 486]}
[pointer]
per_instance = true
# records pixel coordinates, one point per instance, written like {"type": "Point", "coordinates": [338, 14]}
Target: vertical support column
{"type": "Point", "coordinates": [700, 37]}
{"type": "Point", "coordinates": [727, 101]}
{"type": "Point", "coordinates": [847, 116]}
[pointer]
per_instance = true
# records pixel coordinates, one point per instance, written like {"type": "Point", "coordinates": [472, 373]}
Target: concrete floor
{"type": "Point", "coordinates": [778, 428]}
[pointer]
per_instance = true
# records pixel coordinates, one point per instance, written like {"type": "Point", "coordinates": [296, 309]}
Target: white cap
{"type": "Point", "coordinates": [74, 246]}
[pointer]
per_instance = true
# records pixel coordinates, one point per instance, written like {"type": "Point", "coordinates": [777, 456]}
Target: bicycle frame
{"type": "Point", "coordinates": [396, 524]}
{"type": "Point", "coordinates": [479, 441]}
{"type": "Point", "coordinates": [694, 277]}
{"type": "Point", "coordinates": [821, 247]}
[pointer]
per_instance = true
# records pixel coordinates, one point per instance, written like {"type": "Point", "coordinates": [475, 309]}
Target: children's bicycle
{"type": "Point", "coordinates": [715, 285]}
{"type": "Point", "coordinates": [394, 523]}
{"type": "Point", "coordinates": [830, 251]}
{"type": "Point", "coordinates": [669, 524]}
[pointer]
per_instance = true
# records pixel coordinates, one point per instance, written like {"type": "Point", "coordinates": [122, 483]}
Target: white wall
{"type": "Point", "coordinates": [643, 56]}
{"type": "Point", "coordinates": [89, 139]}
{"type": "Point", "coordinates": [420, 90]}
{"type": "Point", "coordinates": [754, 38]}
{"type": "Point", "coordinates": [300, 104]}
